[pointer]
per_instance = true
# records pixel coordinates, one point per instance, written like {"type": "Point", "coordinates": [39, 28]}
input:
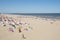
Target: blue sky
{"type": "Point", "coordinates": [30, 6]}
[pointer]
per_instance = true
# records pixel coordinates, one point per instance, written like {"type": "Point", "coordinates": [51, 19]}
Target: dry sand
{"type": "Point", "coordinates": [41, 29]}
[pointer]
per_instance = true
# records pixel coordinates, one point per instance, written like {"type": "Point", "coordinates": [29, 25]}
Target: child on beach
{"type": "Point", "coordinates": [23, 36]}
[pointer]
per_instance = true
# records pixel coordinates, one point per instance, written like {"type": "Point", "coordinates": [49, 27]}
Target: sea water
{"type": "Point", "coordinates": [43, 15]}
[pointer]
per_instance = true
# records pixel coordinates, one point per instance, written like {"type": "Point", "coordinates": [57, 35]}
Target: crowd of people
{"type": "Point", "coordinates": [13, 23]}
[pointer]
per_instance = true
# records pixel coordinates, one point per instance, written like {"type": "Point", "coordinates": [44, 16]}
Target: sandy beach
{"type": "Point", "coordinates": [39, 28]}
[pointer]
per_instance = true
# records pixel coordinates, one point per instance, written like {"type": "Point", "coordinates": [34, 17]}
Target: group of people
{"type": "Point", "coordinates": [13, 23]}
{"type": "Point", "coordinates": [5, 20]}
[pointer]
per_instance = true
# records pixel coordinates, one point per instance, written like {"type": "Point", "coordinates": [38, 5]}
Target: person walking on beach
{"type": "Point", "coordinates": [19, 28]}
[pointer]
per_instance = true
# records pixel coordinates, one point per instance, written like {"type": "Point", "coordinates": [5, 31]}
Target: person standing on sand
{"type": "Point", "coordinates": [19, 28]}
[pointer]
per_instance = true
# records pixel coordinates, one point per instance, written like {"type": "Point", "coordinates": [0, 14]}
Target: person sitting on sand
{"type": "Point", "coordinates": [11, 29]}
{"type": "Point", "coordinates": [12, 24]}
